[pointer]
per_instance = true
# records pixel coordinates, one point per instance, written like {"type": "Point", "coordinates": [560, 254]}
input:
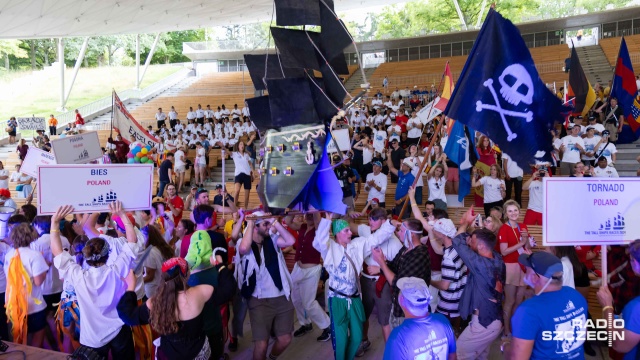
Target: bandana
{"type": "Point", "coordinates": [175, 265]}
{"type": "Point", "coordinates": [103, 253]}
{"type": "Point", "coordinates": [339, 225]}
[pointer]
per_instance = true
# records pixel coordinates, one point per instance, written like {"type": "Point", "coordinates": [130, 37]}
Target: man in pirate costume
{"type": "Point", "coordinates": [267, 284]}
{"type": "Point", "coordinates": [343, 259]}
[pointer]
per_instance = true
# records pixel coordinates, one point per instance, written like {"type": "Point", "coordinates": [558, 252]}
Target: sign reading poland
{"type": "Point", "coordinates": [92, 187]}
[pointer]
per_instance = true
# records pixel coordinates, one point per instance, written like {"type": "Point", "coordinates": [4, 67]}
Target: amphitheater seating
{"type": "Point", "coordinates": [611, 46]}
{"type": "Point", "coordinates": [549, 59]}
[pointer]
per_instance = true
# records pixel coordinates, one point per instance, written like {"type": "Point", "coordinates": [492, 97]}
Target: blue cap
{"type": "Point", "coordinates": [377, 163]}
{"type": "Point", "coordinates": [542, 262]}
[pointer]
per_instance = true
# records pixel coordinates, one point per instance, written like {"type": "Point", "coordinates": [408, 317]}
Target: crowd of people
{"type": "Point", "coordinates": [112, 282]}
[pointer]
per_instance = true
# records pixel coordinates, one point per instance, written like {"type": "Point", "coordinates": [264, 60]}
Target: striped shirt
{"type": "Point", "coordinates": [455, 271]}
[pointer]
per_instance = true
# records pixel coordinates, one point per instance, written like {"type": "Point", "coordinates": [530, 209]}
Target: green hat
{"type": "Point", "coordinates": [339, 225]}
{"type": "Point", "coordinates": [199, 251]}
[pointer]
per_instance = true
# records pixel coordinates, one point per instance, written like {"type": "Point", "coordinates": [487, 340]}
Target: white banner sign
{"type": "Point", "coordinates": [590, 211]}
{"type": "Point", "coordinates": [90, 188]}
{"type": "Point", "coordinates": [126, 125]}
{"type": "Point", "coordinates": [342, 138]}
{"type": "Point", "coordinates": [77, 149]}
{"type": "Point", "coordinates": [428, 112]}
{"type": "Point", "coordinates": [31, 123]}
{"type": "Point", "coordinates": [36, 157]}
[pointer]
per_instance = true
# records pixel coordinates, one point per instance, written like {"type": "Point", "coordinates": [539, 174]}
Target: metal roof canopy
{"type": "Point", "coordinates": [31, 19]}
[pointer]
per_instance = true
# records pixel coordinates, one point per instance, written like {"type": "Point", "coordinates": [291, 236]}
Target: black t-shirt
{"type": "Point", "coordinates": [217, 200]}
{"type": "Point", "coordinates": [343, 173]}
{"type": "Point", "coordinates": [217, 240]}
{"type": "Point", "coordinates": [164, 170]}
{"type": "Point", "coordinates": [397, 156]}
{"type": "Point", "coordinates": [617, 113]}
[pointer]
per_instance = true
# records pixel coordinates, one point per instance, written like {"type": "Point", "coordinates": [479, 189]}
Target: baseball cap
{"type": "Point", "coordinates": [415, 291]}
{"type": "Point", "coordinates": [605, 133]}
{"type": "Point", "coordinates": [218, 186]}
{"type": "Point", "coordinates": [602, 158]}
{"type": "Point", "coordinates": [591, 117]}
{"type": "Point", "coordinates": [542, 263]}
{"type": "Point", "coordinates": [201, 190]}
{"type": "Point", "coordinates": [377, 163]}
{"type": "Point", "coordinates": [445, 227]}
{"type": "Point", "coordinates": [375, 201]}
{"type": "Point", "coordinates": [394, 140]}
{"type": "Point", "coordinates": [409, 163]}
{"type": "Point", "coordinates": [590, 128]}
{"type": "Point", "coordinates": [194, 187]}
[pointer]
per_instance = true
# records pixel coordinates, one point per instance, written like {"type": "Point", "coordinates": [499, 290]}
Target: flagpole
{"type": "Point", "coordinates": [113, 98]}
{"type": "Point", "coordinates": [224, 184]}
{"type": "Point", "coordinates": [433, 138]}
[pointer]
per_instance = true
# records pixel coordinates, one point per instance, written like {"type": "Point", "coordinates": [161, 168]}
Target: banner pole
{"type": "Point", "coordinates": [603, 262]}
{"type": "Point", "coordinates": [426, 157]}
{"type": "Point", "coordinates": [224, 185]}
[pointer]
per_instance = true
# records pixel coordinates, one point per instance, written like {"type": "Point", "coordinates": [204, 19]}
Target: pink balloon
{"type": "Point", "coordinates": [129, 155]}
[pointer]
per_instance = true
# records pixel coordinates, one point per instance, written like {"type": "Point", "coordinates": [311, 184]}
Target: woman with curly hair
{"type": "Point", "coordinates": [99, 287]}
{"type": "Point", "coordinates": [175, 312]}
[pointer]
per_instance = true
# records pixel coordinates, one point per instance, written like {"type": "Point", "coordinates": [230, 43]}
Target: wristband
{"type": "Point", "coordinates": [54, 231]}
{"type": "Point", "coordinates": [607, 308]}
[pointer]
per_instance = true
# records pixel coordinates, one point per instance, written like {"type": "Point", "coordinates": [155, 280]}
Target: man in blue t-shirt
{"type": "Point", "coordinates": [630, 343]}
{"type": "Point", "coordinates": [552, 324]}
{"type": "Point", "coordinates": [422, 335]}
{"type": "Point", "coordinates": [405, 180]}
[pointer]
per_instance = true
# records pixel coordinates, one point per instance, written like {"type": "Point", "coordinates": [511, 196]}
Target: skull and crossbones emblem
{"type": "Point", "coordinates": [516, 86]}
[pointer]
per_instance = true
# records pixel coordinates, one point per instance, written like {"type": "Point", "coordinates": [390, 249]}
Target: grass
{"type": "Point", "coordinates": [39, 94]}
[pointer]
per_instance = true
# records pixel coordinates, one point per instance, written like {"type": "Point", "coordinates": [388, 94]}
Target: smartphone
{"type": "Point", "coordinates": [478, 221]}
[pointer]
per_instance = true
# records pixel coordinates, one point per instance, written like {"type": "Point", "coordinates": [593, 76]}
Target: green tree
{"type": "Point", "coordinates": [11, 48]}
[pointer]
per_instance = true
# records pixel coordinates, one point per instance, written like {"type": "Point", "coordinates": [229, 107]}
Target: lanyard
{"type": "Point", "coordinates": [514, 232]}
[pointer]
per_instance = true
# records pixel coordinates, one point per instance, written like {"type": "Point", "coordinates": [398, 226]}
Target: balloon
{"type": "Point", "coordinates": [144, 151]}
{"type": "Point", "coordinates": [137, 160]}
{"type": "Point", "coordinates": [130, 160]}
{"type": "Point", "coordinates": [148, 161]}
{"type": "Point", "coordinates": [139, 155]}
{"type": "Point", "coordinates": [143, 159]}
{"type": "Point", "coordinates": [148, 148]}
{"type": "Point", "coordinates": [130, 155]}
{"type": "Point", "coordinates": [62, 136]}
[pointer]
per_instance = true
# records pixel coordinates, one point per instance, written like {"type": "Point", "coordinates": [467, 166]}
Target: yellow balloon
{"type": "Point", "coordinates": [144, 151]}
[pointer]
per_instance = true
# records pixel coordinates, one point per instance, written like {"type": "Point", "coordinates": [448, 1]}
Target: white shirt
{"type": "Point", "coordinates": [199, 113]}
{"type": "Point", "coordinates": [513, 169]}
{"type": "Point", "coordinates": [242, 163]}
{"type": "Point", "coordinates": [379, 138]}
{"type": "Point", "coordinates": [390, 248]}
{"type": "Point", "coordinates": [437, 192]}
{"type": "Point", "coordinates": [208, 114]}
{"type": "Point", "coordinates": [571, 152]}
{"type": "Point", "coordinates": [245, 111]}
{"type": "Point", "coordinates": [98, 290]}
{"type": "Point", "coordinates": [599, 127]}
{"type": "Point", "coordinates": [177, 156]}
{"type": "Point", "coordinates": [153, 261]}
{"type": "Point", "coordinates": [381, 181]}
{"type": "Point", "coordinates": [15, 176]}
{"type": "Point", "coordinates": [34, 263]}
{"type": "Point", "coordinates": [567, 273]}
{"type": "Point", "coordinates": [607, 151]}
{"type": "Point", "coordinates": [236, 113]}
{"type": "Point", "coordinates": [491, 189]}
{"type": "Point", "coordinates": [376, 103]}
{"type": "Point", "coordinates": [173, 115]}
{"type": "Point", "coordinates": [342, 275]}
{"type": "Point", "coordinates": [4, 184]}
{"type": "Point", "coordinates": [191, 115]}
{"type": "Point", "coordinates": [414, 132]}
{"type": "Point", "coordinates": [589, 146]}
{"type": "Point", "coordinates": [535, 196]}
{"type": "Point", "coordinates": [3, 277]}
{"type": "Point", "coordinates": [608, 171]}
{"type": "Point", "coordinates": [161, 116]}
{"type": "Point", "coordinates": [52, 283]}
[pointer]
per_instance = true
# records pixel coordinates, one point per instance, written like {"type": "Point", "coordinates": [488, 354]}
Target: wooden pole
{"type": "Point", "coordinates": [603, 266]}
{"type": "Point", "coordinates": [426, 158]}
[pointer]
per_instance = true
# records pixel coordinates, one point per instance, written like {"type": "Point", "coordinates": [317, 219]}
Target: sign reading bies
{"type": "Point", "coordinates": [77, 149]}
{"type": "Point", "coordinates": [90, 188]}
{"type": "Point", "coordinates": [36, 157]}
{"type": "Point", "coordinates": [31, 123]}
{"type": "Point", "coordinates": [590, 211]}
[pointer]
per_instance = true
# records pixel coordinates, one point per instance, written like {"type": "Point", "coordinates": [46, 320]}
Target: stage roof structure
{"type": "Point", "coordinates": [29, 19]}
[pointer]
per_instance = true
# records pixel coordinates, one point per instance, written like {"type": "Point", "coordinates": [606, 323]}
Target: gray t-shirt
{"type": "Point", "coordinates": [485, 283]}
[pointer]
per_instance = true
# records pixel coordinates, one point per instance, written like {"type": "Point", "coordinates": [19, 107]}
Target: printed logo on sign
{"type": "Point", "coordinates": [83, 155]}
{"type": "Point", "coordinates": [102, 199]}
{"type": "Point", "coordinates": [613, 226]}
